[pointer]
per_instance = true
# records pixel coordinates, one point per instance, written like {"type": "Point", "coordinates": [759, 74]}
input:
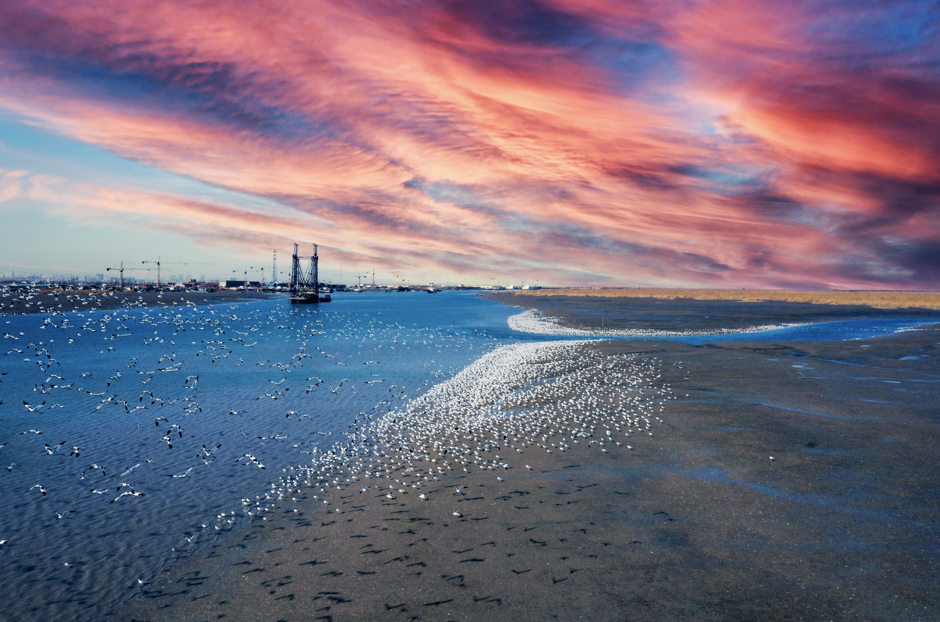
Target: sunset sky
{"type": "Point", "coordinates": [744, 143]}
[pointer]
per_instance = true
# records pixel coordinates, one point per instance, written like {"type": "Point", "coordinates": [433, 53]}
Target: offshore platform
{"type": "Point", "coordinates": [305, 284]}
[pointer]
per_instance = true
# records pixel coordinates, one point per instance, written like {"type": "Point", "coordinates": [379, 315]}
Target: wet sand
{"type": "Point", "coordinates": [48, 302]}
{"type": "Point", "coordinates": [597, 313]}
{"type": "Point", "coordinates": [873, 299]}
{"type": "Point", "coordinates": [696, 522]}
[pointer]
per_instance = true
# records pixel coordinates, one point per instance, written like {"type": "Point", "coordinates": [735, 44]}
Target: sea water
{"type": "Point", "coordinates": [185, 404]}
{"type": "Point", "coordinates": [181, 406]}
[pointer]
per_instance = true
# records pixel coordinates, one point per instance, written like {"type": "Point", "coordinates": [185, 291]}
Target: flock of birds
{"type": "Point", "coordinates": [544, 396]}
{"type": "Point", "coordinates": [184, 346]}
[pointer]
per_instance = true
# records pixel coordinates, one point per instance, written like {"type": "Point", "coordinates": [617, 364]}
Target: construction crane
{"type": "Point", "coordinates": [120, 274]}
{"type": "Point", "coordinates": [274, 269]}
{"type": "Point", "coordinates": [121, 270]}
{"type": "Point", "coordinates": [158, 269]}
{"type": "Point", "coordinates": [173, 263]}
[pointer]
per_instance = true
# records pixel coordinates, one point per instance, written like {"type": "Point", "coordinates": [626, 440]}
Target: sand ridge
{"type": "Point", "coordinates": [875, 299]}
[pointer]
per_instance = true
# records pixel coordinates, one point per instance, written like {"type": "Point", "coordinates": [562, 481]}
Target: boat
{"type": "Point", "coordinates": [305, 284]}
{"type": "Point", "coordinates": [304, 298]}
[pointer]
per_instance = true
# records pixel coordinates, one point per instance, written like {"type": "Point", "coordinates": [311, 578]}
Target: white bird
{"type": "Point", "coordinates": [252, 459]}
{"type": "Point", "coordinates": [131, 493]}
{"type": "Point", "coordinates": [52, 450]}
{"type": "Point", "coordinates": [184, 474]}
{"type": "Point", "coordinates": [40, 487]}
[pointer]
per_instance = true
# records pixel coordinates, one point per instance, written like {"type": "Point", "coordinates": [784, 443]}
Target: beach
{"type": "Point", "coordinates": [873, 299]}
{"type": "Point", "coordinates": [607, 312]}
{"type": "Point", "coordinates": [776, 481]}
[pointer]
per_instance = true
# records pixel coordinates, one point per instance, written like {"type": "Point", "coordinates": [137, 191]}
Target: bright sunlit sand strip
{"type": "Point", "coordinates": [541, 395]}
{"type": "Point", "coordinates": [532, 321]}
{"type": "Point", "coordinates": [878, 300]}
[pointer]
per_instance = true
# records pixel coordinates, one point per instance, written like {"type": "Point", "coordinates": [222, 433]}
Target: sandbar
{"type": "Point", "coordinates": [874, 299]}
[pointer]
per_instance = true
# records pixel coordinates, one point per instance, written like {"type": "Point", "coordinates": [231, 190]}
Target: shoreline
{"type": "Point", "coordinates": [696, 520]}
{"type": "Point", "coordinates": [873, 299]}
{"type": "Point", "coordinates": [645, 317]}
{"type": "Point", "coordinates": [532, 322]}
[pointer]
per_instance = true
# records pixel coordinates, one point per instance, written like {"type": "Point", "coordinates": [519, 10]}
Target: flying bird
{"type": "Point", "coordinates": [184, 474]}
{"type": "Point", "coordinates": [252, 459]}
{"type": "Point", "coordinates": [128, 493]}
{"type": "Point", "coordinates": [52, 450]}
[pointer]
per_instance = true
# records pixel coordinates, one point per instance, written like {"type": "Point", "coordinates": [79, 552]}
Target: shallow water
{"type": "Point", "coordinates": [211, 367]}
{"type": "Point", "coordinates": [844, 330]}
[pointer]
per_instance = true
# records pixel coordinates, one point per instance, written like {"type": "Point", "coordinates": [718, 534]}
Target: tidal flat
{"type": "Point", "coordinates": [651, 480]}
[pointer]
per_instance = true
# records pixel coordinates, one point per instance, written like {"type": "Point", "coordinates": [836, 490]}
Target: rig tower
{"type": "Point", "coordinates": [305, 284]}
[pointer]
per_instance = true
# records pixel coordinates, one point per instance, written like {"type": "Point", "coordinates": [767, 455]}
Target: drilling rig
{"type": "Point", "coordinates": [305, 284]}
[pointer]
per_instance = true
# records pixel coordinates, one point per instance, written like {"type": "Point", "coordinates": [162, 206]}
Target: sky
{"type": "Point", "coordinates": [604, 143]}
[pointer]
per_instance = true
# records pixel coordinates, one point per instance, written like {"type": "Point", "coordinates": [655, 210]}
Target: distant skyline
{"type": "Point", "coordinates": [595, 142]}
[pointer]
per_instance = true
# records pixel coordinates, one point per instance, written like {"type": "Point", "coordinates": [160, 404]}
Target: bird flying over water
{"type": "Point", "coordinates": [52, 450]}
{"type": "Point", "coordinates": [183, 474]}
